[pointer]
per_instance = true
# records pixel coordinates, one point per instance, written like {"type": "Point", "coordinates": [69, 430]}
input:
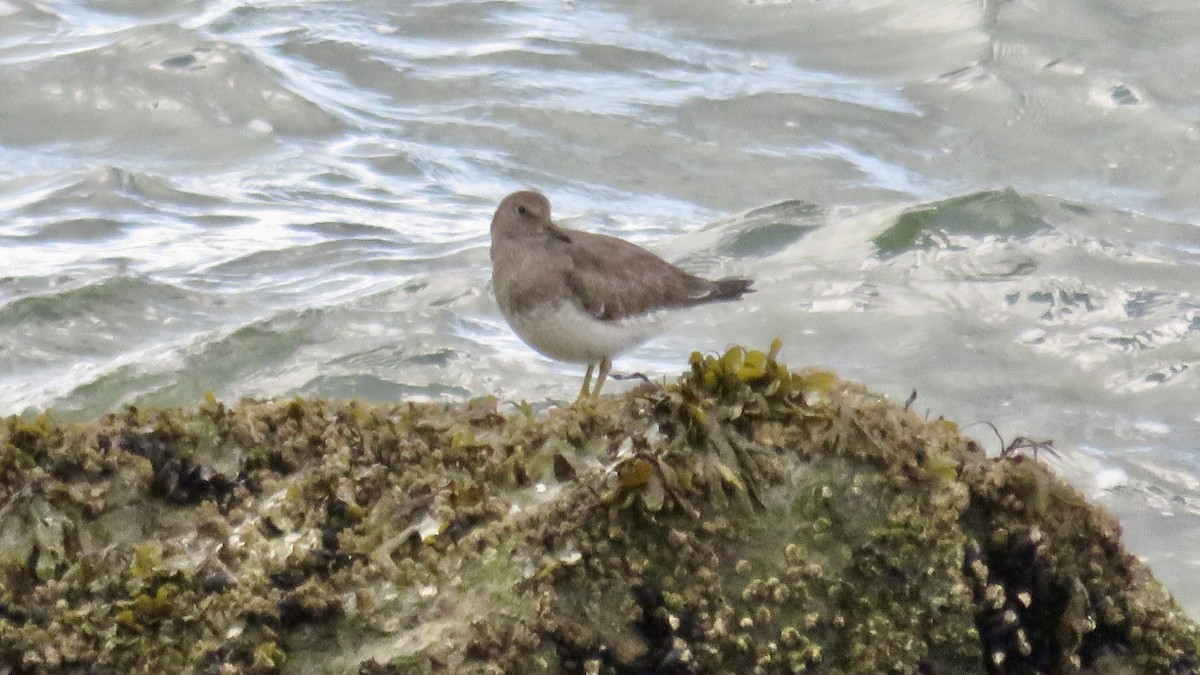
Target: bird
{"type": "Point", "coordinates": [583, 297]}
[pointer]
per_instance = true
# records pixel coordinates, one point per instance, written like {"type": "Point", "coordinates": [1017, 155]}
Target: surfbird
{"type": "Point", "coordinates": [582, 297]}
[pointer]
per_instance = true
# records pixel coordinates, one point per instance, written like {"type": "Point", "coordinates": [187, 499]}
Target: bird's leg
{"type": "Point", "coordinates": [587, 379]}
{"type": "Point", "coordinates": [605, 365]}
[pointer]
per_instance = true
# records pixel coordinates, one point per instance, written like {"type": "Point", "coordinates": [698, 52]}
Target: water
{"type": "Point", "coordinates": [994, 203]}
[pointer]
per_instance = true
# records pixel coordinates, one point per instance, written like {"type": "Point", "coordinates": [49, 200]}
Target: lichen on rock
{"type": "Point", "coordinates": [746, 518]}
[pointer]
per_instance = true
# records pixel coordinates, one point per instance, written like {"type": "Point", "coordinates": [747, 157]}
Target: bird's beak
{"type": "Point", "coordinates": [557, 232]}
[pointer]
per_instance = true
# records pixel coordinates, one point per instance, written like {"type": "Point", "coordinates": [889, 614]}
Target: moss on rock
{"type": "Point", "coordinates": [747, 518]}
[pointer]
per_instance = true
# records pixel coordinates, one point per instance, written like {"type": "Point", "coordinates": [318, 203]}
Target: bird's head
{"type": "Point", "coordinates": [524, 214]}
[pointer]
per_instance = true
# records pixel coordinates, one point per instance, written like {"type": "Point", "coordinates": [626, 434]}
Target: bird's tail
{"type": "Point", "coordinates": [729, 288]}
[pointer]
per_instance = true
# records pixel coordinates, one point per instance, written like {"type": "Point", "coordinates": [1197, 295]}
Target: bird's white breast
{"type": "Point", "coordinates": [567, 333]}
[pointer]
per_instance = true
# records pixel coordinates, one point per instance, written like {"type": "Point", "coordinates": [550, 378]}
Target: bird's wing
{"type": "Point", "coordinates": [613, 279]}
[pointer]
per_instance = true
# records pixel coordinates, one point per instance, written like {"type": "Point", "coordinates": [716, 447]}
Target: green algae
{"type": "Point", "coordinates": [747, 518]}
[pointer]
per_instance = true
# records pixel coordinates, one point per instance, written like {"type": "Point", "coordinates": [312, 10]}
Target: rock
{"type": "Point", "coordinates": [744, 519]}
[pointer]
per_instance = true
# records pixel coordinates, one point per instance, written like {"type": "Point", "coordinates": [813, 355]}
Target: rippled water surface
{"type": "Point", "coordinates": [994, 202]}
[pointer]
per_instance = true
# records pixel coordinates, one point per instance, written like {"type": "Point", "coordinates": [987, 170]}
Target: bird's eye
{"type": "Point", "coordinates": [522, 210]}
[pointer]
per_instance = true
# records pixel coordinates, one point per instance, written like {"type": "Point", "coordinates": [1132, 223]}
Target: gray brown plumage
{"type": "Point", "coordinates": [583, 297]}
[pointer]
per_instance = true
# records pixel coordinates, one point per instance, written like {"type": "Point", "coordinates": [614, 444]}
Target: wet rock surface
{"type": "Point", "coordinates": [746, 518]}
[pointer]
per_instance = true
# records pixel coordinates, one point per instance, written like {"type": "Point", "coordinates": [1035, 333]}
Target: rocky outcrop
{"type": "Point", "coordinates": [744, 519]}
